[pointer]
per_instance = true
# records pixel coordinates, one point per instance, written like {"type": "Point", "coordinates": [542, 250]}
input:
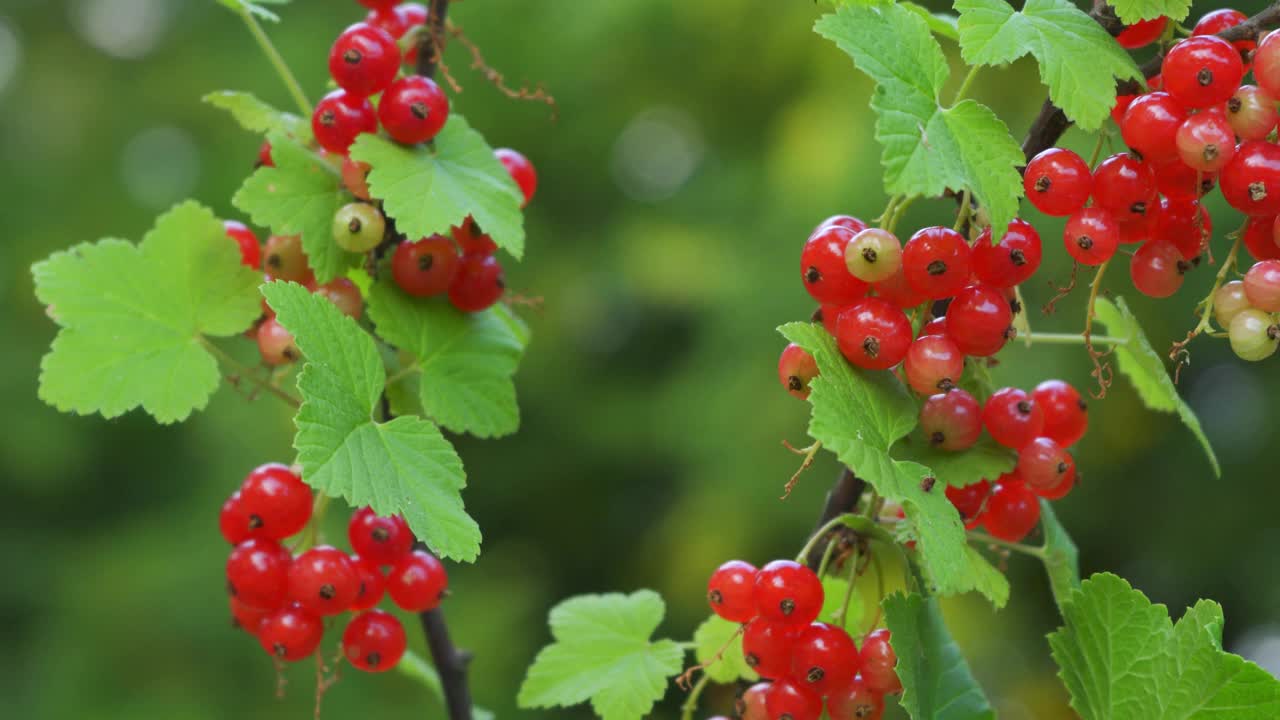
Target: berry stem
{"type": "Point", "coordinates": [1073, 339]}
{"type": "Point", "coordinates": [244, 372]}
{"type": "Point", "coordinates": [691, 703]}
{"type": "Point", "coordinates": [818, 534]}
{"type": "Point", "coordinates": [277, 61]}
{"type": "Point", "coordinates": [842, 498]}
{"type": "Point", "coordinates": [1228, 264]}
{"type": "Point", "coordinates": [1100, 370]}
{"type": "Point", "coordinates": [853, 561]}
{"type": "Point", "coordinates": [826, 557]}
{"type": "Point", "coordinates": [965, 84]}
{"type": "Point", "coordinates": [962, 216]}
{"type": "Point", "coordinates": [1023, 548]}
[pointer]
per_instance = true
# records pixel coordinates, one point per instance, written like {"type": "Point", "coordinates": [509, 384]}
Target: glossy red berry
{"type": "Point", "coordinates": [258, 573]}
{"type": "Point", "coordinates": [936, 326]}
{"type": "Point", "coordinates": [1202, 71]}
{"type": "Point", "coordinates": [276, 344]}
{"type": "Point", "coordinates": [898, 291]}
{"type": "Point", "coordinates": [1058, 182]}
{"type": "Point", "coordinates": [1150, 125]}
{"type": "Point", "coordinates": [250, 248]}
{"type": "Point", "coordinates": [374, 641]}
{"type": "Point", "coordinates": [824, 658]}
{"type": "Point", "coordinates": [364, 60]}
{"type": "Point", "coordinates": [393, 21]}
{"type": "Point", "coordinates": [284, 259]}
{"type": "Point", "coordinates": [1252, 113]}
{"type": "Point", "coordinates": [1124, 186]}
{"type": "Point", "coordinates": [731, 591]}
{"type": "Point", "coordinates": [372, 584]}
{"type": "Point", "coordinates": [969, 500]}
{"type": "Point", "coordinates": [855, 701]}
{"type": "Point", "coordinates": [344, 295]}
{"type": "Point", "coordinates": [1206, 141]}
{"type": "Point", "coordinates": [873, 333]}
{"type": "Point", "coordinates": [264, 155]}
{"type": "Point", "coordinates": [276, 502]}
{"type": "Point", "coordinates": [471, 240]}
{"type": "Point", "coordinates": [1091, 236]}
{"type": "Point", "coordinates": [247, 617]}
{"type": "Point", "coordinates": [1176, 181]}
{"type": "Point", "coordinates": [340, 117]}
{"type": "Point", "coordinates": [796, 368]}
{"type": "Point", "coordinates": [1142, 33]}
{"type": "Point", "coordinates": [878, 663]}
{"type": "Point", "coordinates": [980, 320]}
{"type": "Point", "coordinates": [323, 581]}
{"type": "Point", "coordinates": [291, 633]}
{"type": "Point", "coordinates": [823, 269]}
{"type": "Point", "coordinates": [767, 646]}
{"type": "Point", "coordinates": [1266, 64]}
{"type": "Point", "coordinates": [418, 582]}
{"type": "Point", "coordinates": [413, 110]}
{"type": "Point", "coordinates": [378, 4]}
{"type": "Point", "coordinates": [933, 364]}
{"type": "Point", "coordinates": [937, 262]}
{"type": "Point", "coordinates": [828, 315]}
{"type": "Point", "coordinates": [1262, 285]}
{"type": "Point", "coordinates": [1185, 223]}
{"type": "Point", "coordinates": [1043, 464]}
{"type": "Point", "coordinates": [1157, 269]}
{"type": "Point", "coordinates": [951, 420]}
{"type": "Point", "coordinates": [1066, 416]}
{"type": "Point", "coordinates": [1013, 417]}
{"type": "Point", "coordinates": [790, 700]}
{"type": "Point", "coordinates": [478, 283]}
{"type": "Point", "coordinates": [414, 13]}
{"type": "Point", "coordinates": [425, 267]}
{"type": "Point", "coordinates": [847, 222]}
{"type": "Point", "coordinates": [788, 592]}
{"type": "Point", "coordinates": [1121, 106]}
{"type": "Point", "coordinates": [1010, 262]}
{"type": "Point", "coordinates": [1260, 238]}
{"type": "Point", "coordinates": [1066, 482]}
{"type": "Point", "coordinates": [355, 177]}
{"type": "Point", "coordinates": [1012, 510]}
{"type": "Point", "coordinates": [233, 521]}
{"type": "Point", "coordinates": [379, 540]}
{"type": "Point", "coordinates": [521, 170]}
{"type": "Point", "coordinates": [1216, 21]}
{"type": "Point", "coordinates": [752, 702]}
{"type": "Point", "coordinates": [873, 255]}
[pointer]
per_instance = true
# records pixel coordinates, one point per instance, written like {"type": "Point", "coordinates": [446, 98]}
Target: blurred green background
{"type": "Point", "coordinates": [696, 146]}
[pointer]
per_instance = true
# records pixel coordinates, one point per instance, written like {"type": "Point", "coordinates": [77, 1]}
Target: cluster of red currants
{"type": "Point", "coordinates": [283, 600]}
{"type": "Point", "coordinates": [805, 661]}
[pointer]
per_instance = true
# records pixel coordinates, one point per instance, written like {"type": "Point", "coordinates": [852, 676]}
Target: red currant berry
{"type": "Point", "coordinates": [1142, 33]}
{"type": "Point", "coordinates": [379, 540]}
{"type": "Point", "coordinates": [258, 573]}
{"type": "Point", "coordinates": [276, 501]}
{"type": "Point", "coordinates": [1206, 141]}
{"type": "Point", "coordinates": [426, 267]}
{"type": "Point", "coordinates": [364, 60]}
{"type": "Point", "coordinates": [378, 4]}
{"type": "Point", "coordinates": [1056, 492]}
{"type": "Point", "coordinates": [478, 283]}
{"type": "Point", "coordinates": [937, 262]}
{"type": "Point", "coordinates": [355, 176]}
{"type": "Point", "coordinates": [291, 633]}
{"type": "Point", "coordinates": [1150, 125]}
{"type": "Point", "coordinates": [247, 617]}
{"type": "Point", "coordinates": [788, 592]}
{"type": "Point", "coordinates": [1254, 335]}
{"type": "Point", "coordinates": [767, 647]}
{"type": "Point", "coordinates": [340, 117]}
{"type": "Point", "coordinates": [1262, 285]}
{"type": "Point", "coordinates": [855, 701]}
{"type": "Point", "coordinates": [275, 344]}
{"type": "Point", "coordinates": [233, 521]}
{"type": "Point", "coordinates": [374, 641]}
{"type": "Point", "coordinates": [1012, 510]}
{"type": "Point", "coordinates": [873, 255]}
{"type": "Point", "coordinates": [1121, 106]}
{"type": "Point", "coordinates": [873, 333]}
{"type": "Point", "coordinates": [823, 269]}
{"type": "Point", "coordinates": [521, 170]}
{"type": "Point", "coordinates": [795, 369]}
{"type": "Point", "coordinates": [969, 500]}
{"type": "Point", "coordinates": [933, 364]}
{"type": "Point", "coordinates": [1176, 181]}
{"type": "Point", "coordinates": [898, 291]}
{"type": "Point", "coordinates": [790, 700]}
{"type": "Point", "coordinates": [1202, 71]}
{"type": "Point", "coordinates": [731, 591]}
{"type": "Point", "coordinates": [878, 663]}
{"type": "Point", "coordinates": [264, 155]}
{"type": "Point", "coordinates": [418, 582]}
{"type": "Point", "coordinates": [323, 581]}
{"type": "Point", "coordinates": [1010, 262]}
{"type": "Point", "coordinates": [1091, 236]}
{"type": "Point", "coordinates": [1252, 113]}
{"type": "Point", "coordinates": [1013, 417]}
{"type": "Point", "coordinates": [847, 222]}
{"type": "Point", "coordinates": [824, 658]}
{"type": "Point", "coordinates": [1157, 269]}
{"type": "Point", "coordinates": [372, 584]}
{"type": "Point", "coordinates": [390, 20]}
{"type": "Point", "coordinates": [828, 315]}
{"type": "Point", "coordinates": [1185, 223]}
{"type": "Point", "coordinates": [250, 249]}
{"type": "Point", "coordinates": [980, 320]}
{"type": "Point", "coordinates": [752, 703]}
{"type": "Point", "coordinates": [1044, 464]}
{"type": "Point", "coordinates": [1228, 301]}
{"type": "Point", "coordinates": [414, 13]}
{"type": "Point", "coordinates": [1124, 186]}
{"type": "Point", "coordinates": [471, 240]}
{"type": "Point", "coordinates": [413, 110]}
{"type": "Point", "coordinates": [285, 259]}
{"type": "Point", "coordinates": [1266, 64]}
{"type": "Point", "coordinates": [936, 326]}
{"type": "Point", "coordinates": [1217, 21]}
{"type": "Point", "coordinates": [344, 295]}
{"type": "Point", "coordinates": [1066, 416]}
{"type": "Point", "coordinates": [1260, 238]}
{"type": "Point", "coordinates": [951, 420]}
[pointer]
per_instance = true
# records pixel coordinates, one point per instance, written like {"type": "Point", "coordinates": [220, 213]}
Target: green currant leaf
{"type": "Point", "coordinates": [1144, 368]}
{"type": "Point", "coordinates": [927, 147]}
{"type": "Point", "coordinates": [416, 667]}
{"type": "Point", "coordinates": [711, 636]}
{"type": "Point", "coordinates": [940, 24]}
{"type": "Point", "coordinates": [986, 460]}
{"type": "Point", "coordinates": [135, 319]}
{"type": "Point", "coordinates": [299, 196]}
{"type": "Point", "coordinates": [430, 188]}
{"type": "Point", "coordinates": [859, 415]}
{"type": "Point", "coordinates": [255, 7]}
{"type": "Point", "coordinates": [1079, 61]}
{"type": "Point", "coordinates": [466, 360]}
{"type": "Point", "coordinates": [256, 116]}
{"type": "Point", "coordinates": [602, 653]}
{"type": "Point", "coordinates": [1131, 11]}
{"type": "Point", "coordinates": [1061, 559]}
{"type": "Point", "coordinates": [403, 466]}
{"type": "Point", "coordinates": [1122, 658]}
{"type": "Point", "coordinates": [936, 681]}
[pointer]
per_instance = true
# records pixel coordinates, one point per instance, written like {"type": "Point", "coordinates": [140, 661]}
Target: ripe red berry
{"type": "Point", "coordinates": [1176, 181]}
{"type": "Point", "coordinates": [413, 109]}
{"type": "Point", "coordinates": [788, 592]}
{"type": "Point", "coordinates": [323, 581]}
{"type": "Point", "coordinates": [1012, 417]}
{"type": "Point", "coordinates": [393, 21]}
{"type": "Point", "coordinates": [1066, 416]}
{"type": "Point", "coordinates": [276, 502]}
{"type": "Point", "coordinates": [425, 267]}
{"type": "Point", "coordinates": [258, 573]}
{"type": "Point", "coordinates": [767, 646]}
{"type": "Point", "coordinates": [790, 700]}
{"type": "Point", "coordinates": [828, 315]}
{"type": "Point", "coordinates": [951, 420]}
{"type": "Point", "coordinates": [933, 364]}
{"type": "Point", "coordinates": [898, 291]}
{"type": "Point", "coordinates": [1260, 238]}
{"type": "Point", "coordinates": [378, 4]}
{"type": "Point", "coordinates": [823, 269]}
{"type": "Point", "coordinates": [1202, 71]}
{"type": "Point", "coordinates": [1091, 236]}
{"type": "Point", "coordinates": [1252, 113]}
{"type": "Point", "coordinates": [1266, 64]}
{"type": "Point", "coordinates": [372, 584]}
{"type": "Point", "coordinates": [980, 320]}
{"type": "Point", "coordinates": [937, 262]}
{"type": "Point", "coordinates": [264, 155]}
{"type": "Point", "coordinates": [1043, 464]}
{"type": "Point", "coordinates": [355, 176]}
{"type": "Point", "coordinates": [250, 249]}
{"type": "Point", "coordinates": [275, 344]}
{"type": "Point", "coordinates": [1185, 223]}
{"type": "Point", "coordinates": [233, 521]}
{"type": "Point", "coordinates": [340, 117]}
{"type": "Point", "coordinates": [1206, 141]}
{"type": "Point", "coordinates": [247, 617]}
{"type": "Point", "coordinates": [471, 240]}
{"type": "Point", "coordinates": [414, 13]}
{"type": "Point", "coordinates": [1157, 269]}
{"type": "Point", "coordinates": [752, 703]}
{"type": "Point", "coordinates": [1124, 186]}
{"type": "Point", "coordinates": [1142, 33]}
{"type": "Point", "coordinates": [1262, 285]}
{"type": "Point", "coordinates": [1121, 106]}
{"type": "Point", "coordinates": [1216, 21]}
{"type": "Point", "coordinates": [873, 333]}
{"type": "Point", "coordinates": [1012, 510]}
{"type": "Point", "coordinates": [478, 283]}
{"type": "Point", "coordinates": [291, 633]}
{"type": "Point", "coordinates": [873, 255]}
{"type": "Point", "coordinates": [284, 259]}
{"type": "Point", "coordinates": [878, 663]}
{"type": "Point", "coordinates": [374, 641]}
{"type": "Point", "coordinates": [795, 369]}
{"type": "Point", "coordinates": [344, 295]}
{"type": "Point", "coordinates": [418, 582]}
{"type": "Point", "coordinates": [1150, 125]}
{"type": "Point", "coordinates": [364, 60]}
{"type": "Point", "coordinates": [521, 171]}
{"type": "Point", "coordinates": [969, 500]}
{"type": "Point", "coordinates": [824, 658]}
{"type": "Point", "coordinates": [847, 222]}
{"type": "Point", "coordinates": [379, 540]}
{"type": "Point", "coordinates": [855, 701]}
{"type": "Point", "coordinates": [1010, 262]}
{"type": "Point", "coordinates": [936, 326]}
{"type": "Point", "coordinates": [731, 591]}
